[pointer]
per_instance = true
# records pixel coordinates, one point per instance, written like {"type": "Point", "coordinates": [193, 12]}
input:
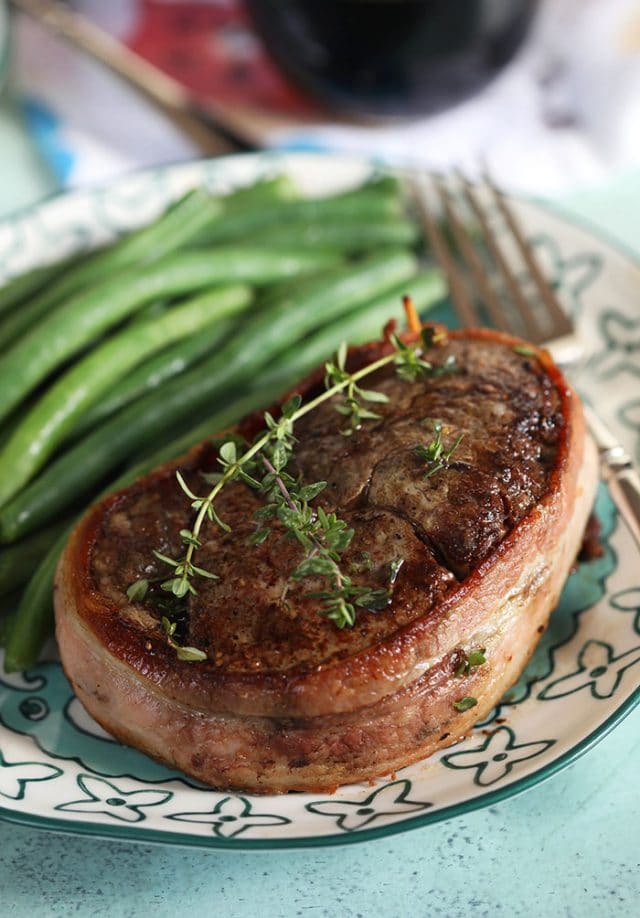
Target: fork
{"type": "Point", "coordinates": [484, 285]}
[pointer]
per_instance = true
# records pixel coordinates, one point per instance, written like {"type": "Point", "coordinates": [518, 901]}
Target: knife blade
{"type": "Point", "coordinates": [618, 472]}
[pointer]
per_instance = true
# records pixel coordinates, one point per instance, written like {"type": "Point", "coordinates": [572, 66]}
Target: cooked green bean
{"type": "Point", "coordinates": [170, 362]}
{"type": "Point", "coordinates": [53, 415]}
{"type": "Point", "coordinates": [318, 303]}
{"type": "Point", "coordinates": [364, 206]}
{"type": "Point", "coordinates": [8, 613]}
{"type": "Point", "coordinates": [18, 561]}
{"type": "Point", "coordinates": [17, 288]}
{"type": "Point", "coordinates": [346, 235]}
{"type": "Point", "coordinates": [183, 221]}
{"type": "Point", "coordinates": [86, 316]}
{"type": "Point", "coordinates": [33, 621]}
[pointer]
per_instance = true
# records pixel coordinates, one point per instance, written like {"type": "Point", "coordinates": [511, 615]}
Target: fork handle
{"type": "Point", "coordinates": [624, 486]}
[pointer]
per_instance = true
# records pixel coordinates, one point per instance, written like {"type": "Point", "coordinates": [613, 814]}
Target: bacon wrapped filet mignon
{"type": "Point", "coordinates": [473, 552]}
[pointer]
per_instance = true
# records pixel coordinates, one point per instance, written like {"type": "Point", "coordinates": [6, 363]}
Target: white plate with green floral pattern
{"type": "Point", "coordinates": [59, 770]}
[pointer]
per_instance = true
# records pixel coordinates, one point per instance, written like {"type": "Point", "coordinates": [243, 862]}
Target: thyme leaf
{"type": "Point", "coordinates": [138, 590]}
{"type": "Point", "coordinates": [470, 661]}
{"type": "Point", "coordinates": [192, 654]}
{"type": "Point", "coordinates": [465, 703]}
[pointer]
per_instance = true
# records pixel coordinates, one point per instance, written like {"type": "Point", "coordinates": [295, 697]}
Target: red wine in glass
{"type": "Point", "coordinates": [392, 57]}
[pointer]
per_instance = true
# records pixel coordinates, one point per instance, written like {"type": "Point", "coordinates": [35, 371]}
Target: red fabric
{"type": "Point", "coordinates": [212, 49]}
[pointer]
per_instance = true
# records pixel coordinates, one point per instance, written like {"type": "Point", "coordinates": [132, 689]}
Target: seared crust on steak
{"type": "Point", "coordinates": [285, 700]}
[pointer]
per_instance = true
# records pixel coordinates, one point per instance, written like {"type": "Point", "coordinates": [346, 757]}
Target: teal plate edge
{"type": "Point", "coordinates": [152, 836]}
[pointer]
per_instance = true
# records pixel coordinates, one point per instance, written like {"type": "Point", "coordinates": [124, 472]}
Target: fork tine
{"type": "Point", "coordinates": [478, 273]}
{"type": "Point", "coordinates": [562, 323]}
{"type": "Point", "coordinates": [533, 331]}
{"type": "Point", "coordinates": [463, 303]}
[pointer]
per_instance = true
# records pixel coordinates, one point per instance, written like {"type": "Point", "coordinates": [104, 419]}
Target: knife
{"type": "Point", "coordinates": [618, 472]}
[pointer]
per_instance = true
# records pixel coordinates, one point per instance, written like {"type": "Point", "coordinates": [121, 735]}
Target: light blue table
{"type": "Point", "coordinates": [568, 848]}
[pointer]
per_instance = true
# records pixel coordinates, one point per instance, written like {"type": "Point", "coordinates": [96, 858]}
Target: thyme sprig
{"type": "Point", "coordinates": [263, 467]}
{"type": "Point", "coordinates": [352, 406]}
{"type": "Point", "coordinates": [278, 436]}
{"type": "Point", "coordinates": [434, 455]}
{"type": "Point", "coordinates": [323, 537]}
{"type": "Point", "coordinates": [410, 364]}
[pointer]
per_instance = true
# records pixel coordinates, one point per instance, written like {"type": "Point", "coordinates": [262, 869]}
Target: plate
{"type": "Point", "coordinates": [59, 770]}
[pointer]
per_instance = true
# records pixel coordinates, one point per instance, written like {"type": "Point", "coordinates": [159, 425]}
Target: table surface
{"type": "Point", "coordinates": [567, 848]}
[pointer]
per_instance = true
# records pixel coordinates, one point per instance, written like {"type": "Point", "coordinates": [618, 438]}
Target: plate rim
{"type": "Point", "coordinates": [537, 776]}
{"type": "Point", "coordinates": [156, 836]}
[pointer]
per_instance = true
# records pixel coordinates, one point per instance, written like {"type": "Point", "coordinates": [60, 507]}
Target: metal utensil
{"type": "Point", "coordinates": [618, 472]}
{"type": "Point", "coordinates": [213, 130]}
{"type": "Point", "coordinates": [478, 263]}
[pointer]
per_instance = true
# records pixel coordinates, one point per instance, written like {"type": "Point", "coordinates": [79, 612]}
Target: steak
{"type": "Point", "coordinates": [473, 557]}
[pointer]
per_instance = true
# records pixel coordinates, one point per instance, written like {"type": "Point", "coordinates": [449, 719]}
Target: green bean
{"type": "Point", "coordinates": [320, 302]}
{"type": "Point", "coordinates": [8, 613]}
{"type": "Point", "coordinates": [153, 373]}
{"type": "Point", "coordinates": [348, 235]}
{"type": "Point", "coordinates": [18, 562]}
{"type": "Point", "coordinates": [261, 193]}
{"type": "Point", "coordinates": [365, 206]}
{"type": "Point", "coordinates": [17, 288]}
{"type": "Point", "coordinates": [86, 316]}
{"type": "Point", "coordinates": [183, 221]}
{"type": "Point", "coordinates": [142, 422]}
{"type": "Point", "coordinates": [363, 324]}
{"type": "Point", "coordinates": [181, 224]}
{"type": "Point", "coordinates": [53, 415]}
{"type": "Point", "coordinates": [33, 621]}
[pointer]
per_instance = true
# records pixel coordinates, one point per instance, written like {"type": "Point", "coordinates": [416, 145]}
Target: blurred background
{"type": "Point", "coordinates": [547, 94]}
